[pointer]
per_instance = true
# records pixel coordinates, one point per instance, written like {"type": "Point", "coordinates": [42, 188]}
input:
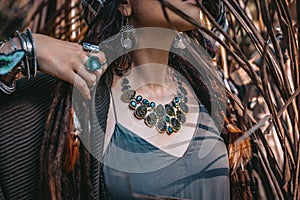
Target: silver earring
{"type": "Point", "coordinates": [128, 37]}
{"type": "Point", "coordinates": [178, 43]}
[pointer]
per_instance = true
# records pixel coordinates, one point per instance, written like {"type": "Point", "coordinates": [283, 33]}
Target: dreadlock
{"type": "Point", "coordinates": [57, 182]}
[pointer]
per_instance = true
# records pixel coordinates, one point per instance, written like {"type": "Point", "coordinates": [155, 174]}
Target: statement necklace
{"type": "Point", "coordinates": [166, 118]}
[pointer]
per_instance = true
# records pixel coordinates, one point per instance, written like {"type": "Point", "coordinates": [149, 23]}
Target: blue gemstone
{"type": "Point", "coordinates": [169, 130]}
{"type": "Point", "coordinates": [176, 99]}
{"type": "Point", "coordinates": [152, 104]}
{"type": "Point", "coordinates": [132, 104]}
{"type": "Point", "coordinates": [93, 63]}
{"type": "Point", "coordinates": [139, 98]}
{"type": "Point", "coordinates": [145, 102]}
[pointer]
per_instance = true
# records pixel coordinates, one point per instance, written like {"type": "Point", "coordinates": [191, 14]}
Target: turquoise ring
{"type": "Point", "coordinates": [93, 64]}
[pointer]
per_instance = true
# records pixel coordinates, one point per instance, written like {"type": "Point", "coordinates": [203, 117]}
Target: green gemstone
{"type": "Point", "coordinates": [167, 118]}
{"type": "Point", "coordinates": [175, 124]}
{"type": "Point", "coordinates": [140, 112]}
{"type": "Point", "coordinates": [169, 110]}
{"type": "Point", "coordinates": [180, 116]}
{"type": "Point", "coordinates": [128, 95]}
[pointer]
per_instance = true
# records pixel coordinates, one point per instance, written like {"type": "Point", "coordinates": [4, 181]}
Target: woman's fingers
{"type": "Point", "coordinates": [67, 61]}
{"type": "Point", "coordinates": [80, 84]}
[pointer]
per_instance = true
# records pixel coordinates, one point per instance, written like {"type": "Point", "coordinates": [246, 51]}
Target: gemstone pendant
{"type": "Point", "coordinates": [161, 125]}
{"type": "Point", "coordinates": [151, 119]}
{"type": "Point", "coordinates": [182, 89]}
{"type": "Point", "coordinates": [160, 110]}
{"type": "Point", "coordinates": [128, 95]}
{"type": "Point", "coordinates": [183, 107]}
{"type": "Point", "coordinates": [169, 110]}
{"type": "Point", "coordinates": [180, 116]}
{"type": "Point", "coordinates": [175, 124]}
{"type": "Point", "coordinates": [125, 87]}
{"type": "Point", "coordinates": [140, 112]}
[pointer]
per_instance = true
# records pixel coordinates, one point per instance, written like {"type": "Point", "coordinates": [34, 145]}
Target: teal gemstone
{"type": "Point", "coordinates": [167, 118]}
{"type": "Point", "coordinates": [133, 104]}
{"type": "Point", "coordinates": [152, 104]}
{"type": "Point", "coordinates": [9, 61]}
{"type": "Point", "coordinates": [93, 63]}
{"type": "Point", "coordinates": [139, 98]}
{"type": "Point", "coordinates": [170, 130]}
{"type": "Point", "coordinates": [145, 102]}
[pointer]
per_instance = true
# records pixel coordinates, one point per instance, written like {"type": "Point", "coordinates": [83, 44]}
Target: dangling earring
{"type": "Point", "coordinates": [128, 38]}
{"type": "Point", "coordinates": [178, 43]}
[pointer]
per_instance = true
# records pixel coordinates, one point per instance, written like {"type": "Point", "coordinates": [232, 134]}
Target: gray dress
{"type": "Point", "coordinates": [135, 169]}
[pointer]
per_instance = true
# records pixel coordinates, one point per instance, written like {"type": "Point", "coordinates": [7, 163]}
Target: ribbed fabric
{"type": "Point", "coordinates": [22, 121]}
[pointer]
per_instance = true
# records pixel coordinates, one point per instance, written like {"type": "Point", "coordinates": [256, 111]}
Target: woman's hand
{"type": "Point", "coordinates": [66, 61]}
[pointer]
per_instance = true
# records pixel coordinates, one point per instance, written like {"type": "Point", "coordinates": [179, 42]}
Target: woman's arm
{"type": "Point", "coordinates": [64, 60]}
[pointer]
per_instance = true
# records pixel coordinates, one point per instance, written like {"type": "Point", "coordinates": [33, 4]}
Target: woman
{"type": "Point", "coordinates": [138, 161]}
{"type": "Point", "coordinates": [183, 172]}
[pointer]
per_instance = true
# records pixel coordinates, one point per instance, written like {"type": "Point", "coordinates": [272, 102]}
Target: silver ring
{"type": "Point", "coordinates": [93, 64]}
{"type": "Point", "coordinates": [90, 47]}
